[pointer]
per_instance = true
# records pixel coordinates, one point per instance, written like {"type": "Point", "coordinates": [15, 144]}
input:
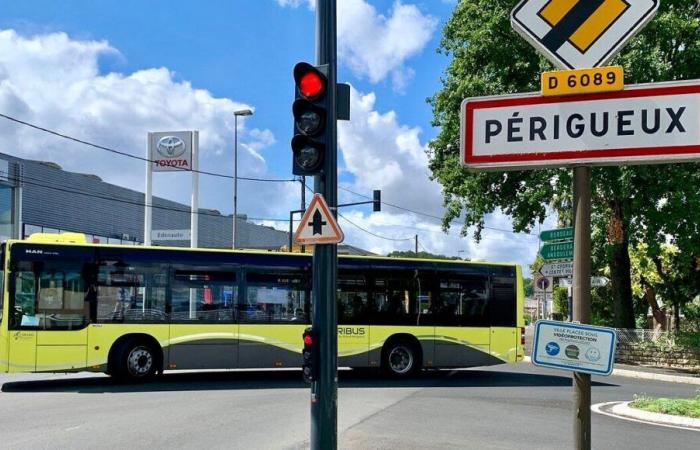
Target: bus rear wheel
{"type": "Point", "coordinates": [134, 360]}
{"type": "Point", "coordinates": [401, 359]}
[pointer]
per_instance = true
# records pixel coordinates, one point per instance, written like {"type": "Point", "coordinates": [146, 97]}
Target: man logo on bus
{"type": "Point", "coordinates": [171, 146]}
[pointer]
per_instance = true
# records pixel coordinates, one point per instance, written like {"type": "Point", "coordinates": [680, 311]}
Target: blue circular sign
{"type": "Point", "coordinates": [552, 348]}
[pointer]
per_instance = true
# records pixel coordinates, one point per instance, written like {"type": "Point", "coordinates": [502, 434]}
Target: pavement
{"type": "Point", "coordinates": [511, 406]}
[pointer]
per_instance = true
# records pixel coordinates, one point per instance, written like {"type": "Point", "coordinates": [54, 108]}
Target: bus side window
{"type": "Point", "coordinates": [281, 297]}
{"type": "Point", "coordinates": [206, 296]}
{"type": "Point", "coordinates": [464, 300]}
{"type": "Point", "coordinates": [353, 307]}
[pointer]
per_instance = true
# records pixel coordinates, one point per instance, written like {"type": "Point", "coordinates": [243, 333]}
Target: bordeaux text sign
{"type": "Point", "coordinates": [644, 124]}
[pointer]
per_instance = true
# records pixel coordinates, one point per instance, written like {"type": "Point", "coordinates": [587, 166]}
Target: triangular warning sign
{"type": "Point", "coordinates": [318, 226]}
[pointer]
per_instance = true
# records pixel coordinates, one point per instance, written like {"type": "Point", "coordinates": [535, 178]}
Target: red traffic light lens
{"type": "Point", "coordinates": [311, 85]}
{"type": "Point", "coordinates": [308, 340]}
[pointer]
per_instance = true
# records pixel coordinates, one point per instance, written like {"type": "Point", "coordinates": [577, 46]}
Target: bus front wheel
{"type": "Point", "coordinates": [401, 358]}
{"type": "Point", "coordinates": [135, 360]}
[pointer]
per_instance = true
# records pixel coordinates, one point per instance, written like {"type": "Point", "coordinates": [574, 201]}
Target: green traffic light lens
{"type": "Point", "coordinates": [308, 157]}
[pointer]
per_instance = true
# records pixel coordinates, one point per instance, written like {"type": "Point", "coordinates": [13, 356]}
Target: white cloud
{"type": "Point", "coordinates": [54, 81]}
{"type": "Point", "coordinates": [375, 46]}
{"type": "Point", "coordinates": [295, 3]}
{"type": "Point", "coordinates": [381, 153]}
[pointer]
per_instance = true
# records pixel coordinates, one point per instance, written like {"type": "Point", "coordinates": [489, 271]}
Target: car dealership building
{"type": "Point", "coordinates": [37, 196]}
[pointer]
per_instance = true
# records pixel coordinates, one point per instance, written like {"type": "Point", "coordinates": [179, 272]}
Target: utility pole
{"type": "Point", "coordinates": [582, 299]}
{"type": "Point", "coordinates": [324, 391]}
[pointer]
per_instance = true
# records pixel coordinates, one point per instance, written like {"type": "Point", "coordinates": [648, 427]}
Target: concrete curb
{"type": "Point", "coordinates": [622, 410]}
{"type": "Point", "coordinates": [649, 375]}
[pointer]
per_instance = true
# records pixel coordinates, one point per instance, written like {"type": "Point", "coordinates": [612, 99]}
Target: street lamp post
{"type": "Point", "coordinates": [236, 114]}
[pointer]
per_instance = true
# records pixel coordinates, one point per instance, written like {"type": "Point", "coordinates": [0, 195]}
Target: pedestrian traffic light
{"type": "Point", "coordinates": [310, 356]}
{"type": "Point", "coordinates": [310, 111]}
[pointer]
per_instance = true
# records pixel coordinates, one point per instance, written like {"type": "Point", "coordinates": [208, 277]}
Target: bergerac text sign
{"type": "Point", "coordinates": [642, 124]}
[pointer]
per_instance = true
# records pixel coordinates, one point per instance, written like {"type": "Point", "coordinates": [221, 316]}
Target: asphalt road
{"type": "Point", "coordinates": [505, 407]}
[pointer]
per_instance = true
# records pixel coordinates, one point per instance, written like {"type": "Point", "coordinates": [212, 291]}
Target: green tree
{"type": "Point", "coordinates": [560, 301]}
{"type": "Point", "coordinates": [630, 204]}
{"type": "Point", "coordinates": [422, 255]}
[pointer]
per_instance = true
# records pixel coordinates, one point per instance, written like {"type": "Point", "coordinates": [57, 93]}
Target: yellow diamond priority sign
{"type": "Point", "coordinates": [578, 34]}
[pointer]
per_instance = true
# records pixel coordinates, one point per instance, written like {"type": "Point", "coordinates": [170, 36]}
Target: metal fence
{"type": "Point", "coordinates": [637, 336]}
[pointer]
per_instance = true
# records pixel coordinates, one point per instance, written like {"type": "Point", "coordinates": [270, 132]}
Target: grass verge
{"type": "Point", "coordinates": [674, 406]}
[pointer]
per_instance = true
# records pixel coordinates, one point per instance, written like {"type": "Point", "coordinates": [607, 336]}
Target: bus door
{"type": "Point", "coordinates": [353, 318]}
{"type": "Point", "coordinates": [48, 318]}
{"type": "Point", "coordinates": [273, 313]}
{"type": "Point", "coordinates": [462, 333]}
{"type": "Point", "coordinates": [63, 312]}
{"type": "Point", "coordinates": [505, 336]}
{"type": "Point", "coordinates": [203, 323]}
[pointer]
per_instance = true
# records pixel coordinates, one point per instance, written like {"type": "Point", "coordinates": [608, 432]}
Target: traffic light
{"type": "Point", "coordinates": [377, 200]}
{"type": "Point", "coordinates": [310, 110]}
{"type": "Point", "coordinates": [310, 354]}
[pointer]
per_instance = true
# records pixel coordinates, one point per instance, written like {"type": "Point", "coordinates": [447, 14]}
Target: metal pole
{"type": "Point", "coordinates": [148, 196]}
{"type": "Point", "coordinates": [194, 219]}
{"type": "Point", "coordinates": [235, 179]}
{"type": "Point", "coordinates": [291, 230]}
{"type": "Point", "coordinates": [303, 203]}
{"type": "Point", "coordinates": [582, 299]}
{"type": "Point", "coordinates": [416, 245]}
{"type": "Point", "coordinates": [324, 392]}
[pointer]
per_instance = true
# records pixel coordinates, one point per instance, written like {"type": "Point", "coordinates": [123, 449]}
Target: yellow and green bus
{"type": "Point", "coordinates": [134, 312]}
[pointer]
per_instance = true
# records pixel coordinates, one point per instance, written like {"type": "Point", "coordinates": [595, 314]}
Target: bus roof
{"type": "Point", "coordinates": [78, 239]}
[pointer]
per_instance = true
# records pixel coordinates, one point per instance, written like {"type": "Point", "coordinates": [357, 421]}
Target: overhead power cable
{"type": "Point", "coordinates": [373, 234]}
{"type": "Point", "coordinates": [421, 213]}
{"type": "Point", "coordinates": [36, 182]}
{"type": "Point", "coordinates": [140, 158]}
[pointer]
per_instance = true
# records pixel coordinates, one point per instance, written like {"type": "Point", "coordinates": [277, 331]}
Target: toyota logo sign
{"type": "Point", "coordinates": [171, 146]}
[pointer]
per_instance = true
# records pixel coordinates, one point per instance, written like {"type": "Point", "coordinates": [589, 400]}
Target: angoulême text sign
{"type": "Point", "coordinates": [644, 124]}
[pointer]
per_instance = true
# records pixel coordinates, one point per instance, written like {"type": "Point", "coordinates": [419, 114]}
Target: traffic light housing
{"type": "Point", "coordinates": [310, 109]}
{"type": "Point", "coordinates": [376, 200]}
{"type": "Point", "coordinates": [310, 356]}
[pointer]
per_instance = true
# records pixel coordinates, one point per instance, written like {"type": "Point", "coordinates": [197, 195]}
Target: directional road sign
{"type": "Point", "coordinates": [578, 34]}
{"type": "Point", "coordinates": [559, 234]}
{"type": "Point", "coordinates": [644, 124]}
{"type": "Point", "coordinates": [574, 347]}
{"type": "Point", "coordinates": [564, 250]}
{"type": "Point", "coordinates": [318, 226]}
{"type": "Point", "coordinates": [562, 269]}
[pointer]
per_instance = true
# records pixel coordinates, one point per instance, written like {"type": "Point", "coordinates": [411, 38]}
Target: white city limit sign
{"type": "Point", "coordinates": [644, 124]}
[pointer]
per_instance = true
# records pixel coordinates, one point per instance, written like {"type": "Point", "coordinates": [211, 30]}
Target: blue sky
{"type": "Point", "coordinates": [110, 71]}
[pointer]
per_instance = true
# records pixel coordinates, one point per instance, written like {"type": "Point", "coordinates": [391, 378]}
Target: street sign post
{"type": "Point", "coordinates": [644, 124]}
{"type": "Point", "coordinates": [581, 34]}
{"type": "Point", "coordinates": [558, 234]}
{"type": "Point", "coordinates": [554, 251]}
{"type": "Point", "coordinates": [574, 347]}
{"type": "Point", "coordinates": [560, 269]}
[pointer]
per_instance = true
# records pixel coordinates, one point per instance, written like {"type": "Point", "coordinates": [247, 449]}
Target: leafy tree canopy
{"type": "Point", "coordinates": [649, 204]}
